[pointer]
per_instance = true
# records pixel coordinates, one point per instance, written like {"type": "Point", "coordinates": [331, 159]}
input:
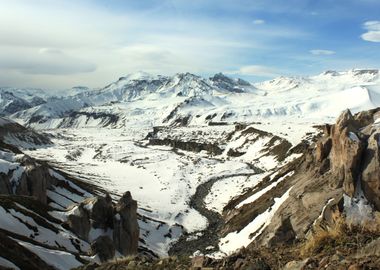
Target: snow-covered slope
{"type": "Point", "coordinates": [186, 146]}
{"type": "Point", "coordinates": [186, 99]}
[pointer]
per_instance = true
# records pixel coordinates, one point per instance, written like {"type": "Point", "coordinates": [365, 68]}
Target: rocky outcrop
{"type": "Point", "coordinates": [126, 229]}
{"type": "Point", "coordinates": [192, 146]}
{"type": "Point", "coordinates": [29, 178]}
{"type": "Point", "coordinates": [346, 152]}
{"type": "Point", "coordinates": [100, 213]}
{"type": "Point", "coordinates": [351, 148]}
{"type": "Point", "coordinates": [371, 170]}
{"type": "Point", "coordinates": [19, 136]}
{"type": "Point", "coordinates": [103, 246]}
{"type": "Point", "coordinates": [343, 163]}
{"type": "Point", "coordinates": [79, 221]}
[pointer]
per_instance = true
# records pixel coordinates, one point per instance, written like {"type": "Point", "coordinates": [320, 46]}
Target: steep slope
{"type": "Point", "coordinates": [19, 136]}
{"type": "Point", "coordinates": [335, 178]}
{"type": "Point", "coordinates": [43, 211]}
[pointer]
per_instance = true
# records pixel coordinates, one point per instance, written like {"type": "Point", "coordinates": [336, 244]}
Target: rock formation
{"type": "Point", "coordinates": [29, 178]}
{"type": "Point", "coordinates": [126, 229]}
{"type": "Point", "coordinates": [101, 213]}
{"type": "Point", "coordinates": [353, 154]}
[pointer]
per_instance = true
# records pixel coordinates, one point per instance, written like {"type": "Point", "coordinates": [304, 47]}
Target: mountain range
{"type": "Point", "coordinates": [224, 173]}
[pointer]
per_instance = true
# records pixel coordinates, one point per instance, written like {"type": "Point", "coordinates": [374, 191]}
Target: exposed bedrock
{"type": "Point", "coordinates": [118, 221]}
{"type": "Point", "coordinates": [192, 146]}
{"type": "Point", "coordinates": [343, 162]}
{"type": "Point", "coordinates": [30, 178]}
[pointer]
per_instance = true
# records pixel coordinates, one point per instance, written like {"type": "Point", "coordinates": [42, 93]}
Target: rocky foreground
{"type": "Point", "coordinates": [330, 220]}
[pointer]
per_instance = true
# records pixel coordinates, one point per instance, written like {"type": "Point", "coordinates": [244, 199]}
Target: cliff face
{"type": "Point", "coordinates": [354, 154]}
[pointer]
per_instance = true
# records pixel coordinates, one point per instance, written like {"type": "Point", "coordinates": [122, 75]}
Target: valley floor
{"type": "Point", "coordinates": [163, 180]}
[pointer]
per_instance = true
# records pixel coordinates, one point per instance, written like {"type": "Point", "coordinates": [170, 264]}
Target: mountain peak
{"type": "Point", "coordinates": [139, 75]}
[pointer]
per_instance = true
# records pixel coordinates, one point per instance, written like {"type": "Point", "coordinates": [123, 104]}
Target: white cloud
{"type": "Point", "coordinates": [255, 70]}
{"type": "Point", "coordinates": [373, 31]}
{"type": "Point", "coordinates": [322, 52]}
{"type": "Point", "coordinates": [258, 21]}
{"type": "Point", "coordinates": [43, 61]}
{"type": "Point", "coordinates": [57, 43]}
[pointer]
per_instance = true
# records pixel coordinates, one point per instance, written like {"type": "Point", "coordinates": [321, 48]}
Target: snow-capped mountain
{"type": "Point", "coordinates": [143, 99]}
{"type": "Point", "coordinates": [214, 163]}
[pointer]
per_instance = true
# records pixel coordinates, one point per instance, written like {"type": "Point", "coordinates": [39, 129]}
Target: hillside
{"type": "Point", "coordinates": [240, 173]}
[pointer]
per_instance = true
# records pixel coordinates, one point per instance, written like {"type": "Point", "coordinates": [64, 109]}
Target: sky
{"type": "Point", "coordinates": [59, 44]}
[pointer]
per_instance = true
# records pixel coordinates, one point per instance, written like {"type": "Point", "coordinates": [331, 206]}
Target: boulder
{"type": "Point", "coordinates": [126, 229]}
{"type": "Point", "coordinates": [103, 247]}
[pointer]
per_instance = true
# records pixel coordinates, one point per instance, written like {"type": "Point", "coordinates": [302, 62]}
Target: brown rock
{"type": "Point", "coordinates": [323, 149]}
{"type": "Point", "coordinates": [296, 265]}
{"type": "Point", "coordinates": [355, 267]}
{"type": "Point", "coordinates": [371, 171]}
{"type": "Point", "coordinates": [197, 262]}
{"type": "Point", "coordinates": [345, 153]}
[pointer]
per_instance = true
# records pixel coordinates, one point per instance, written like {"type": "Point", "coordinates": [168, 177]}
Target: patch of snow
{"type": "Point", "coordinates": [226, 189]}
{"type": "Point", "coordinates": [235, 240]}
{"type": "Point", "coordinates": [257, 195]}
{"type": "Point", "coordinates": [60, 260]}
{"type": "Point", "coordinates": [8, 264]}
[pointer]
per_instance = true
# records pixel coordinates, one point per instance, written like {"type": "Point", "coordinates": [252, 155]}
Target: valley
{"type": "Point", "coordinates": [214, 165]}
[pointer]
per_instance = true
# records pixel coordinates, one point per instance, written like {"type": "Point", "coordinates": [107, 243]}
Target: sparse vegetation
{"type": "Point", "coordinates": [346, 237]}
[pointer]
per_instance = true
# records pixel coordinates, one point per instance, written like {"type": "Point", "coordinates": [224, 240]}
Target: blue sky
{"type": "Point", "coordinates": [62, 43]}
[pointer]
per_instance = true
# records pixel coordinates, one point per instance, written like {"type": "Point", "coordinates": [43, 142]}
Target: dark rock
{"type": "Point", "coordinates": [126, 229]}
{"type": "Point", "coordinates": [258, 264]}
{"type": "Point", "coordinates": [284, 234]}
{"type": "Point", "coordinates": [101, 212]}
{"type": "Point", "coordinates": [79, 221]}
{"type": "Point", "coordinates": [103, 246]}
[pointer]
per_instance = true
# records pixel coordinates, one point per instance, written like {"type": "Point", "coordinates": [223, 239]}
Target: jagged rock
{"type": "Point", "coordinates": [79, 221]}
{"type": "Point", "coordinates": [284, 234]}
{"type": "Point", "coordinates": [126, 229]}
{"type": "Point", "coordinates": [371, 170]}
{"type": "Point", "coordinates": [346, 152]}
{"type": "Point", "coordinates": [323, 149]}
{"type": "Point", "coordinates": [103, 246]}
{"type": "Point", "coordinates": [101, 212]}
{"type": "Point", "coordinates": [38, 180]}
{"type": "Point", "coordinates": [91, 213]}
